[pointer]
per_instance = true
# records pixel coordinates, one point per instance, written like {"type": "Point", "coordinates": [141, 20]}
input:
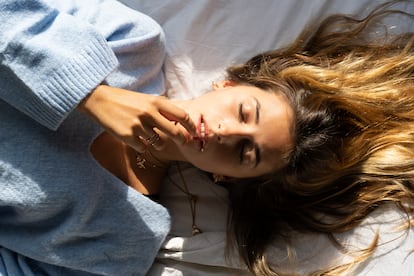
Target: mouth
{"type": "Point", "coordinates": [202, 132]}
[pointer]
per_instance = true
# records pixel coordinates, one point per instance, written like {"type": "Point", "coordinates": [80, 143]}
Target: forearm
{"type": "Point", "coordinates": [50, 60]}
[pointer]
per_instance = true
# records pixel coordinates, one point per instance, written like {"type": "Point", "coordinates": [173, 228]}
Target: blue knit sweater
{"type": "Point", "coordinates": [61, 213]}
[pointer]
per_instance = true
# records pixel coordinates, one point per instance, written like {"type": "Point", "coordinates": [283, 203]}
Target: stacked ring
{"type": "Point", "coordinates": [153, 139]}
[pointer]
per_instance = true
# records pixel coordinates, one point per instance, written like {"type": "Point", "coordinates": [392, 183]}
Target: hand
{"type": "Point", "coordinates": [136, 118]}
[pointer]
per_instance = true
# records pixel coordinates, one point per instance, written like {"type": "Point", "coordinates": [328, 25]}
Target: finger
{"type": "Point", "coordinates": [177, 114]}
{"type": "Point", "coordinates": [171, 130]}
{"type": "Point", "coordinates": [157, 142]}
{"type": "Point", "coordinates": [188, 124]}
{"type": "Point", "coordinates": [158, 145]}
{"type": "Point", "coordinates": [149, 136]}
{"type": "Point", "coordinates": [138, 145]}
{"type": "Point", "coordinates": [153, 140]}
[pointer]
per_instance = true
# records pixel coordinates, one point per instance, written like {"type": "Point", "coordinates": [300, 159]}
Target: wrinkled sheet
{"type": "Point", "coordinates": [204, 37]}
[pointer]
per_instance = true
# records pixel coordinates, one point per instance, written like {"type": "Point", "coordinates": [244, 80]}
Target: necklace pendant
{"type": "Point", "coordinates": [196, 230]}
{"type": "Point", "coordinates": [140, 161]}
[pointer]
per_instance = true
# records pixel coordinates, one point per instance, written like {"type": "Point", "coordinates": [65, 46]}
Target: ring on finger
{"type": "Point", "coordinates": [153, 139]}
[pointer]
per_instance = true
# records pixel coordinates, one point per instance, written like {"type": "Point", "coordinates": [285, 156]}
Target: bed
{"type": "Point", "coordinates": [203, 37]}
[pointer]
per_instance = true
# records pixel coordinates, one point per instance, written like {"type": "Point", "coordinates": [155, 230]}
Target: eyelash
{"type": "Point", "coordinates": [241, 114]}
{"type": "Point", "coordinates": [242, 146]}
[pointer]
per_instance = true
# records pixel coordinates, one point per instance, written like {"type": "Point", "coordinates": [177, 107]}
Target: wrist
{"type": "Point", "coordinates": [91, 100]}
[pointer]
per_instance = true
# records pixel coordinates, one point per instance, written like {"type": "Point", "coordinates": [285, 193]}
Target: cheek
{"type": "Point", "coordinates": [212, 161]}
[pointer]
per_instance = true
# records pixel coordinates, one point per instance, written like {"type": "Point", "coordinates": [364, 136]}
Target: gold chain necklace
{"type": "Point", "coordinates": [192, 199]}
{"type": "Point", "coordinates": [143, 163]}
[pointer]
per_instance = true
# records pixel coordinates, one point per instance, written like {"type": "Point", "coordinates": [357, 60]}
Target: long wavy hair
{"type": "Point", "coordinates": [351, 87]}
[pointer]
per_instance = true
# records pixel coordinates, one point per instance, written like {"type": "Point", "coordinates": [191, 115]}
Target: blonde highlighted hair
{"type": "Point", "coordinates": [352, 90]}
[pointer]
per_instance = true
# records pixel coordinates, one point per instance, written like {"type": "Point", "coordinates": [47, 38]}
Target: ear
{"type": "Point", "coordinates": [222, 84]}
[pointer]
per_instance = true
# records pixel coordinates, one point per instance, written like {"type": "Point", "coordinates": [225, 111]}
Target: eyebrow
{"type": "Point", "coordinates": [257, 120]}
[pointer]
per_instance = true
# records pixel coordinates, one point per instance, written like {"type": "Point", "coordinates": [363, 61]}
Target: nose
{"type": "Point", "coordinates": [232, 133]}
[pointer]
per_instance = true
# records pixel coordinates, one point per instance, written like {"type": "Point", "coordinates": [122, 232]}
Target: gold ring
{"type": "Point", "coordinates": [153, 139]}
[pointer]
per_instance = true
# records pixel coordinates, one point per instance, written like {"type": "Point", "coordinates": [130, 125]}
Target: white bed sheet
{"type": "Point", "coordinates": [203, 37]}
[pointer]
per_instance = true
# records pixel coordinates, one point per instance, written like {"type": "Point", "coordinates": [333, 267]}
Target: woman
{"type": "Point", "coordinates": [243, 136]}
{"type": "Point", "coordinates": [230, 142]}
{"type": "Point", "coordinates": [346, 102]}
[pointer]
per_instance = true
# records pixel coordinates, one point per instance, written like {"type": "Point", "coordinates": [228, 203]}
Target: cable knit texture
{"type": "Point", "coordinates": [61, 212]}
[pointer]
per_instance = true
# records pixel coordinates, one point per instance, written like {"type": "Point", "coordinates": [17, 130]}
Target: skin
{"type": "Point", "coordinates": [131, 116]}
{"type": "Point", "coordinates": [240, 122]}
{"type": "Point", "coordinates": [247, 130]}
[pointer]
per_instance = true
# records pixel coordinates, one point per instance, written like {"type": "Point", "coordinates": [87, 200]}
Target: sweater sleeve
{"type": "Point", "coordinates": [50, 60]}
{"type": "Point", "coordinates": [61, 212]}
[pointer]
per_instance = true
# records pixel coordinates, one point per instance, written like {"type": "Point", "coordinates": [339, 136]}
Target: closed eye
{"type": "Point", "coordinates": [241, 114]}
{"type": "Point", "coordinates": [242, 148]}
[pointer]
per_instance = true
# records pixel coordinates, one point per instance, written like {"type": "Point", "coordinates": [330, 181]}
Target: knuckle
{"type": "Point", "coordinates": [146, 110]}
{"type": "Point", "coordinates": [154, 100]}
{"type": "Point", "coordinates": [136, 121]}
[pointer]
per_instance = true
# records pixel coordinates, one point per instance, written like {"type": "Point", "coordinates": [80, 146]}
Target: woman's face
{"type": "Point", "coordinates": [243, 131]}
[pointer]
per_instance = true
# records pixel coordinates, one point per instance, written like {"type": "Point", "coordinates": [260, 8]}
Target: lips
{"type": "Point", "coordinates": [202, 132]}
